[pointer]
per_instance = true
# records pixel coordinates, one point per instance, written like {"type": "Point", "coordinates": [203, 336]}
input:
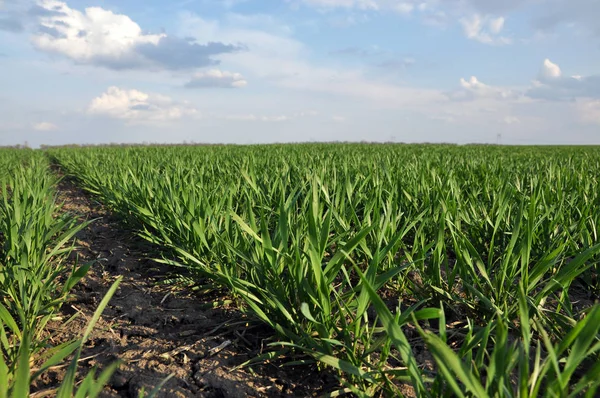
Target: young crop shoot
{"type": "Point", "coordinates": [419, 270]}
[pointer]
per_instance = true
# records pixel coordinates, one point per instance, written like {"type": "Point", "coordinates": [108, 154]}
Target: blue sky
{"type": "Point", "coordinates": [247, 71]}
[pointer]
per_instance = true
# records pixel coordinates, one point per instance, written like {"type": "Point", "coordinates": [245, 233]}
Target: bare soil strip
{"type": "Point", "coordinates": [157, 329]}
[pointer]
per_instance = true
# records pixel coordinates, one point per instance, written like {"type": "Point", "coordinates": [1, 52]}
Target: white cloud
{"type": "Point", "coordinates": [138, 107]}
{"type": "Point", "coordinates": [96, 34]}
{"type": "Point", "coordinates": [474, 89]}
{"type": "Point", "coordinates": [339, 119]}
{"type": "Point", "coordinates": [279, 60]}
{"type": "Point", "coordinates": [269, 47]}
{"type": "Point", "coordinates": [550, 69]}
{"type": "Point", "coordinates": [404, 8]}
{"type": "Point", "coordinates": [101, 37]}
{"type": "Point", "coordinates": [554, 86]}
{"type": "Point", "coordinates": [475, 16]}
{"type": "Point", "coordinates": [484, 29]}
{"type": "Point", "coordinates": [551, 87]}
{"type": "Point", "coordinates": [217, 78]}
{"type": "Point", "coordinates": [352, 84]}
{"type": "Point", "coordinates": [496, 25]}
{"type": "Point", "coordinates": [45, 126]}
{"type": "Point", "coordinates": [580, 16]}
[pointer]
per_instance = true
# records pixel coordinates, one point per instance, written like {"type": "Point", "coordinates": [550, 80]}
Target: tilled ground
{"type": "Point", "coordinates": [157, 329]}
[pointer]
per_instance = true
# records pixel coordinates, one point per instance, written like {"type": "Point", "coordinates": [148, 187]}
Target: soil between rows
{"type": "Point", "coordinates": [159, 329]}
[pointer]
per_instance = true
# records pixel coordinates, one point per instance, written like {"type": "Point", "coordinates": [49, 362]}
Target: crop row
{"type": "Point", "coordinates": [35, 281]}
{"type": "Point", "coordinates": [366, 258]}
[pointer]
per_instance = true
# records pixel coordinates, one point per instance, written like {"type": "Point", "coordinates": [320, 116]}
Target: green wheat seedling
{"type": "Point", "coordinates": [307, 237]}
{"type": "Point", "coordinates": [35, 281]}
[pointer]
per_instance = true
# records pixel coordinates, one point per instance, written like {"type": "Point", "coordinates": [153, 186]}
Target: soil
{"type": "Point", "coordinates": [158, 329]}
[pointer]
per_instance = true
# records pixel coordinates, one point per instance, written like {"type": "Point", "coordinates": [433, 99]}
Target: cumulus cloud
{"type": "Point", "coordinates": [138, 107]}
{"type": "Point", "coordinates": [552, 85]}
{"type": "Point", "coordinates": [473, 88]}
{"type": "Point", "coordinates": [550, 70]}
{"type": "Point", "coordinates": [544, 15]}
{"type": "Point", "coordinates": [101, 37]}
{"type": "Point", "coordinates": [484, 29]}
{"type": "Point", "coordinates": [216, 78]}
{"type": "Point", "coordinates": [45, 126]}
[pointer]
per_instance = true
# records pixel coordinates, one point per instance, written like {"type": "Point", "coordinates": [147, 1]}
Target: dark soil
{"type": "Point", "coordinates": [158, 329]}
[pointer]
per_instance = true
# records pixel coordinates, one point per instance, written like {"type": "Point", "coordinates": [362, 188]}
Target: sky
{"type": "Point", "coordinates": [261, 71]}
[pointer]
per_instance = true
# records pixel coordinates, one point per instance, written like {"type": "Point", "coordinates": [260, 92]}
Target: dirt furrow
{"type": "Point", "coordinates": [157, 329]}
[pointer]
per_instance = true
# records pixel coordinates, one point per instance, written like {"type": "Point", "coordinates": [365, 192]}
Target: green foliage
{"type": "Point", "coordinates": [35, 240]}
{"type": "Point", "coordinates": [309, 237]}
